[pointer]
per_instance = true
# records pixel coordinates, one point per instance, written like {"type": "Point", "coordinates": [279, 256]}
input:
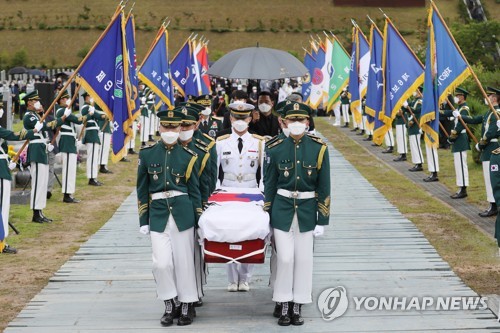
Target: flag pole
{"type": "Point", "coordinates": [70, 79]}
{"type": "Point", "coordinates": [467, 62]}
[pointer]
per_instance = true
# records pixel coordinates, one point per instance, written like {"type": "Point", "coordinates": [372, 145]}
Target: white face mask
{"type": "Point", "coordinates": [297, 128]}
{"type": "Point", "coordinates": [91, 100]}
{"type": "Point", "coordinates": [486, 100]}
{"type": "Point", "coordinates": [240, 125]}
{"type": "Point", "coordinates": [169, 137]}
{"type": "Point", "coordinates": [414, 94]}
{"type": "Point", "coordinates": [286, 131]}
{"type": "Point", "coordinates": [186, 135]}
{"type": "Point", "coordinates": [207, 112]}
{"type": "Point", "coordinates": [265, 108]}
{"type": "Point", "coordinates": [37, 105]}
{"type": "Point", "coordinates": [456, 100]}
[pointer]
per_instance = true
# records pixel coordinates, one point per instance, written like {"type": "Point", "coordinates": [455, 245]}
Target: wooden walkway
{"type": "Point", "coordinates": [369, 248]}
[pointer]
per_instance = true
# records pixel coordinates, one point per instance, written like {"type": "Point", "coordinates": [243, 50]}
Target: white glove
{"type": "Point", "coordinates": [50, 147]}
{"type": "Point", "coordinates": [78, 143]}
{"type": "Point", "coordinates": [405, 104]}
{"type": "Point", "coordinates": [498, 124]}
{"type": "Point", "coordinates": [318, 231]}
{"type": "Point", "coordinates": [91, 100]}
{"type": "Point", "coordinates": [91, 110]}
{"type": "Point", "coordinates": [12, 165]}
{"type": "Point", "coordinates": [68, 102]}
{"type": "Point", "coordinates": [67, 112]}
{"type": "Point", "coordinates": [151, 96]}
{"type": "Point", "coordinates": [38, 126]}
{"type": "Point", "coordinates": [420, 131]}
{"type": "Point", "coordinates": [1, 112]}
{"type": "Point", "coordinates": [456, 114]}
{"type": "Point", "coordinates": [143, 100]}
{"type": "Point", "coordinates": [144, 229]}
{"type": "Point", "coordinates": [477, 147]}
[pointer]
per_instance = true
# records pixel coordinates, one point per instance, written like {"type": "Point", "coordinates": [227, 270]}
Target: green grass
{"type": "Point", "coordinates": [469, 251]}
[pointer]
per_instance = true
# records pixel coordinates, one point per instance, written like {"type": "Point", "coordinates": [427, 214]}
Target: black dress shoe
{"type": "Point", "coordinates": [462, 193]}
{"type": "Point", "coordinates": [345, 125]}
{"type": "Point", "coordinates": [49, 194]}
{"type": "Point", "coordinates": [124, 159]}
{"type": "Point", "coordinates": [103, 169]}
{"type": "Point", "coordinates": [284, 319]}
{"type": "Point", "coordinates": [491, 211]}
{"type": "Point", "coordinates": [37, 218]}
{"type": "Point", "coordinates": [354, 129]}
{"type": "Point", "coordinates": [131, 151]}
{"type": "Point", "coordinates": [361, 133]}
{"type": "Point", "coordinates": [9, 249]}
{"type": "Point", "coordinates": [432, 178]}
{"type": "Point", "coordinates": [69, 199]}
{"type": "Point", "coordinates": [375, 145]}
{"type": "Point", "coordinates": [187, 314]}
{"type": "Point", "coordinates": [401, 158]}
{"type": "Point", "coordinates": [46, 219]}
{"type": "Point", "coordinates": [369, 138]}
{"type": "Point", "coordinates": [277, 310]}
{"type": "Point", "coordinates": [389, 150]}
{"type": "Point", "coordinates": [94, 182]}
{"type": "Point", "coordinates": [416, 167]}
{"type": "Point", "coordinates": [168, 317]}
{"type": "Point", "coordinates": [296, 318]}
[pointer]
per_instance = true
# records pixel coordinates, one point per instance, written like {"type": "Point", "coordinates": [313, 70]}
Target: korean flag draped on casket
{"type": "Point", "coordinates": [102, 75]}
{"type": "Point", "coordinates": [234, 215]}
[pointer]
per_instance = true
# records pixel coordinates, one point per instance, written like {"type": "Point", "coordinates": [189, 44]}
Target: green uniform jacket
{"type": "Point", "coordinates": [399, 119]}
{"type": "Point", "coordinates": [344, 99]}
{"type": "Point", "coordinates": [144, 111]}
{"type": "Point", "coordinates": [297, 166]}
{"type": "Point", "coordinates": [92, 126]}
{"type": "Point", "coordinates": [37, 151]}
{"type": "Point", "coordinates": [5, 134]}
{"type": "Point", "coordinates": [203, 169]}
{"type": "Point", "coordinates": [164, 169]}
{"type": "Point", "coordinates": [67, 140]}
{"type": "Point", "coordinates": [459, 140]}
{"type": "Point", "coordinates": [413, 128]}
{"type": "Point", "coordinates": [102, 121]}
{"type": "Point", "coordinates": [495, 186]}
{"type": "Point", "coordinates": [489, 131]}
{"type": "Point", "coordinates": [209, 143]}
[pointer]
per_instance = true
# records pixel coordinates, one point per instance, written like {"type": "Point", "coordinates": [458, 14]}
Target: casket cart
{"type": "Point", "coordinates": [235, 227]}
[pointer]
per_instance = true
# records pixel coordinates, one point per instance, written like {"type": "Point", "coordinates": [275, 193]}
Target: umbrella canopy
{"type": "Point", "coordinates": [257, 63]}
{"type": "Point", "coordinates": [37, 72]}
{"type": "Point", "coordinates": [17, 70]}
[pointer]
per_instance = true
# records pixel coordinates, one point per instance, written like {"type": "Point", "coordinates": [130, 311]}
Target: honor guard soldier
{"type": "Point", "coordinates": [460, 143]}
{"type": "Point", "coordinates": [493, 96]}
{"type": "Point", "coordinates": [6, 178]}
{"type": "Point", "coordinates": [239, 161]}
{"type": "Point", "coordinates": [208, 124]}
{"type": "Point", "coordinates": [401, 137]}
{"type": "Point", "coordinates": [91, 138]}
{"type": "Point", "coordinates": [169, 207]}
{"type": "Point", "coordinates": [344, 106]}
{"type": "Point", "coordinates": [67, 147]}
{"type": "Point", "coordinates": [144, 118]}
{"type": "Point", "coordinates": [37, 154]}
{"type": "Point", "coordinates": [297, 197]}
{"type": "Point", "coordinates": [414, 133]}
{"type": "Point", "coordinates": [487, 143]}
{"type": "Point", "coordinates": [188, 126]}
{"type": "Point", "coordinates": [105, 138]}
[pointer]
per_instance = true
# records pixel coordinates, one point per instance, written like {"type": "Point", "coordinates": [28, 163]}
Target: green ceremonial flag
{"type": "Point", "coordinates": [341, 64]}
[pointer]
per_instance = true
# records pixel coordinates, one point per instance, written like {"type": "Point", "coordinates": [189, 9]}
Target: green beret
{"type": "Point", "coordinates": [170, 118]}
{"type": "Point", "coordinates": [296, 109]}
{"type": "Point", "coordinates": [32, 96]}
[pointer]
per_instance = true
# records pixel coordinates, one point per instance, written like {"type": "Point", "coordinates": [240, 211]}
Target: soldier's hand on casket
{"type": "Point", "coordinates": [318, 231]}
{"type": "Point", "coordinates": [144, 229]}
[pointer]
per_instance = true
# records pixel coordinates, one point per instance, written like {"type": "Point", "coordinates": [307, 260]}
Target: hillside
{"type": "Point", "coordinates": [56, 33]}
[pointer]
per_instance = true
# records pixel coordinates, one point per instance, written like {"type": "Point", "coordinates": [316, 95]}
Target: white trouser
{"type": "Point", "coordinates": [415, 149]}
{"type": "Point", "coordinates": [295, 265]}
{"type": "Point", "coordinates": [144, 129]}
{"type": "Point", "coordinates": [432, 158]}
{"type": "Point", "coordinates": [487, 182]}
{"type": "Point", "coordinates": [345, 112]}
{"type": "Point", "coordinates": [68, 173]}
{"type": "Point", "coordinates": [152, 123]}
{"type": "Point", "coordinates": [273, 262]}
{"type": "Point", "coordinates": [365, 126]}
{"type": "Point", "coordinates": [173, 263]}
{"type": "Point", "coordinates": [389, 138]}
{"type": "Point", "coordinates": [362, 125]}
{"type": "Point", "coordinates": [199, 268]}
{"type": "Point", "coordinates": [5, 204]}
{"type": "Point", "coordinates": [105, 145]}
{"type": "Point", "coordinates": [92, 160]}
{"type": "Point", "coordinates": [336, 111]}
{"type": "Point", "coordinates": [131, 144]}
{"type": "Point", "coordinates": [354, 123]}
{"type": "Point", "coordinates": [461, 168]}
{"type": "Point", "coordinates": [39, 178]}
{"type": "Point", "coordinates": [237, 273]}
{"type": "Point", "coordinates": [401, 141]}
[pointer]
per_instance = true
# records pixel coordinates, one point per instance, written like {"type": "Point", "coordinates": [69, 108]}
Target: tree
{"type": "Point", "coordinates": [20, 58]}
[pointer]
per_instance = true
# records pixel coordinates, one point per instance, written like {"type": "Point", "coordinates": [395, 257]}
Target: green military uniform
{"type": "Point", "coordinates": [105, 137]}
{"type": "Point", "coordinates": [5, 135]}
{"type": "Point", "coordinates": [37, 151]}
{"type": "Point", "coordinates": [458, 136]}
{"type": "Point", "coordinates": [91, 125]}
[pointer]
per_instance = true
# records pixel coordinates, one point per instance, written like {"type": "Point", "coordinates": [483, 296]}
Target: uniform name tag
{"type": "Point", "coordinates": [226, 153]}
{"type": "Point", "coordinates": [235, 247]}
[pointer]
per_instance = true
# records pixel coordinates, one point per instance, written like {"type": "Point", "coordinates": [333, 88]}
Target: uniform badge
{"type": "Point", "coordinates": [177, 180]}
{"type": "Point", "coordinates": [286, 173]}
{"type": "Point", "coordinates": [252, 164]}
{"type": "Point", "coordinates": [494, 167]}
{"type": "Point", "coordinates": [155, 176]}
{"type": "Point", "coordinates": [212, 133]}
{"type": "Point", "coordinates": [309, 172]}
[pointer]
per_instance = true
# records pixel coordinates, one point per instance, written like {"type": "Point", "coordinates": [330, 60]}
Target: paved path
{"type": "Point", "coordinates": [108, 286]}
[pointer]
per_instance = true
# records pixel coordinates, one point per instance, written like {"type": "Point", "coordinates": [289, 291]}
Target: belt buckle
{"type": "Point", "coordinates": [239, 178]}
{"type": "Point", "coordinates": [294, 194]}
{"type": "Point", "coordinates": [167, 194]}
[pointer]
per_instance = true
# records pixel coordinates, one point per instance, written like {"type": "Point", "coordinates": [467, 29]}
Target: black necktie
{"type": "Point", "coordinates": [205, 123]}
{"type": "Point", "coordinates": [240, 144]}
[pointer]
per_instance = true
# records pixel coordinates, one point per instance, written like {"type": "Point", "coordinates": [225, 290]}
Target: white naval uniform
{"type": "Point", "coordinates": [401, 139]}
{"type": "Point", "coordinates": [240, 170]}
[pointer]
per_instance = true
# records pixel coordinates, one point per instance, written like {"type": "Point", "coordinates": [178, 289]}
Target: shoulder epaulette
{"type": "Point", "coordinates": [190, 151]}
{"type": "Point", "coordinates": [274, 144]}
{"type": "Point", "coordinates": [149, 146]}
{"type": "Point", "coordinates": [202, 148]}
{"type": "Point", "coordinates": [217, 118]}
{"type": "Point", "coordinates": [223, 137]}
{"type": "Point", "coordinates": [272, 140]}
{"type": "Point", "coordinates": [258, 137]}
{"type": "Point", "coordinates": [312, 136]}
{"type": "Point", "coordinates": [496, 151]}
{"type": "Point", "coordinates": [317, 139]}
{"type": "Point", "coordinates": [208, 137]}
{"type": "Point", "coordinates": [201, 142]}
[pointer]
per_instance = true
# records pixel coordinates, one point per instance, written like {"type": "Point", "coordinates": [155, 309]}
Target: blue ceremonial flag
{"type": "Point", "coordinates": [317, 79]}
{"type": "Point", "coordinates": [103, 76]}
{"type": "Point", "coordinates": [181, 69]}
{"type": "Point", "coordinates": [375, 90]}
{"type": "Point", "coordinates": [354, 78]}
{"type": "Point", "coordinates": [155, 69]}
{"type": "Point", "coordinates": [132, 83]}
{"type": "Point", "coordinates": [445, 69]}
{"type": "Point", "coordinates": [309, 62]}
{"type": "Point", "coordinates": [403, 72]}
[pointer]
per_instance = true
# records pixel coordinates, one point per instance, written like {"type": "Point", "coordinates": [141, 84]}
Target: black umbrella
{"type": "Point", "coordinates": [17, 70]}
{"type": "Point", "coordinates": [257, 63]}
{"type": "Point", "coordinates": [37, 72]}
